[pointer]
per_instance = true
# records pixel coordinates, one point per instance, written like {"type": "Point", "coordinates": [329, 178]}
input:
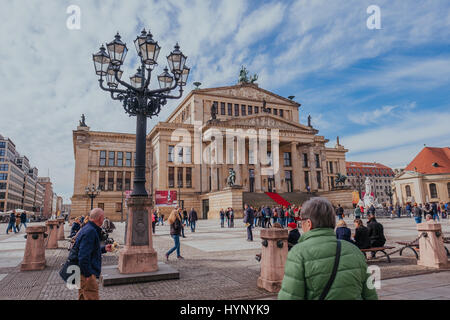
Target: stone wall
{"type": "Point", "coordinates": [230, 197]}
{"type": "Point", "coordinates": [342, 197]}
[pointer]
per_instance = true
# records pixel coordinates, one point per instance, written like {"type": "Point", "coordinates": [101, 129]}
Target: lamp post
{"type": "Point", "coordinates": [138, 100]}
{"type": "Point", "coordinates": [92, 192]}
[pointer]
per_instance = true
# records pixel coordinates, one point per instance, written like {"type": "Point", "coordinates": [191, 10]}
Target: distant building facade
{"type": "Point", "coordinates": [425, 179]}
{"type": "Point", "coordinates": [381, 177]}
{"type": "Point", "coordinates": [19, 186]}
{"type": "Point", "coordinates": [48, 196]}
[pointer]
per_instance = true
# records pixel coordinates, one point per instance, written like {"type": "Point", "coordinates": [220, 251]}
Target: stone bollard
{"type": "Point", "coordinates": [61, 228]}
{"type": "Point", "coordinates": [34, 256]}
{"type": "Point", "coordinates": [432, 250]}
{"type": "Point", "coordinates": [273, 258]}
{"type": "Point", "coordinates": [52, 232]}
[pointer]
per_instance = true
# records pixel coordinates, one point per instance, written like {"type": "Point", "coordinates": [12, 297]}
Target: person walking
{"type": "Point", "coordinates": [12, 222]}
{"type": "Point", "coordinates": [23, 219]}
{"type": "Point", "coordinates": [434, 210]}
{"type": "Point", "coordinates": [90, 255]}
{"type": "Point", "coordinates": [185, 218]}
{"type": "Point", "coordinates": [154, 218]}
{"type": "Point", "coordinates": [321, 267]}
{"type": "Point", "coordinates": [417, 214]}
{"type": "Point", "coordinates": [193, 219]}
{"type": "Point", "coordinates": [248, 220]}
{"type": "Point", "coordinates": [340, 212]}
{"type": "Point", "coordinates": [175, 223]}
{"type": "Point", "coordinates": [231, 218]}
{"type": "Point", "coordinates": [222, 218]}
{"type": "Point", "coordinates": [268, 216]}
{"type": "Point", "coordinates": [408, 210]}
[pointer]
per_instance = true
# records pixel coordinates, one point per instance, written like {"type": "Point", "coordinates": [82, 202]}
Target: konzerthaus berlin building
{"type": "Point", "coordinates": [214, 130]}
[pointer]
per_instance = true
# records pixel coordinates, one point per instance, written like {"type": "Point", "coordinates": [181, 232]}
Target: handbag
{"type": "Point", "coordinates": [72, 260]}
{"type": "Point", "coordinates": [333, 273]}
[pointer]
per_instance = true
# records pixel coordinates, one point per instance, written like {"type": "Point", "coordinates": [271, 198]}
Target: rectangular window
{"type": "Point", "coordinates": [331, 167]}
{"type": "Point", "coordinates": [251, 157]}
{"type": "Point", "coordinates": [2, 152]}
{"type": "Point", "coordinates": [102, 158]}
{"type": "Point", "coordinates": [256, 109]}
{"type": "Point", "coordinates": [111, 159]}
{"type": "Point", "coordinates": [306, 178]}
{"type": "Point", "coordinates": [236, 110]}
{"type": "Point", "coordinates": [171, 177]}
{"type": "Point", "coordinates": [187, 157]}
{"type": "Point", "coordinates": [110, 181]}
{"type": "Point", "coordinates": [319, 179]}
{"type": "Point", "coordinates": [4, 167]}
{"type": "Point", "coordinates": [101, 180]}
{"type": "Point", "coordinates": [127, 181]}
{"type": "Point", "coordinates": [119, 181]}
{"type": "Point", "coordinates": [222, 108]}
{"type": "Point", "coordinates": [179, 155]}
{"type": "Point", "coordinates": [275, 112]}
{"type": "Point", "coordinates": [243, 110]}
{"type": "Point", "coordinates": [287, 159]}
{"type": "Point", "coordinates": [305, 160]}
{"type": "Point", "coordinates": [188, 177]}
{"type": "Point", "coordinates": [101, 206]}
{"type": "Point", "coordinates": [317, 161]}
{"type": "Point", "coordinates": [250, 110]}
{"type": "Point", "coordinates": [120, 159]}
{"type": "Point", "coordinates": [3, 176]}
{"type": "Point", "coordinates": [128, 160]}
{"type": "Point", "coordinates": [269, 110]}
{"type": "Point", "coordinates": [281, 113]}
{"type": "Point", "coordinates": [170, 155]}
{"type": "Point", "coordinates": [180, 177]}
{"type": "Point", "coordinates": [269, 156]}
{"type": "Point", "coordinates": [118, 206]}
{"type": "Point", "coordinates": [230, 109]}
{"type": "Point", "coordinates": [2, 144]}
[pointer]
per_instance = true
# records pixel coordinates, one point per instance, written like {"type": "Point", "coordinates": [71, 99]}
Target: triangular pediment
{"type": "Point", "coordinates": [408, 174]}
{"type": "Point", "coordinates": [264, 121]}
{"type": "Point", "coordinates": [249, 91]}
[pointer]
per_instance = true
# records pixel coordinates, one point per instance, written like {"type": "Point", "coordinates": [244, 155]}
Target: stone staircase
{"type": "Point", "coordinates": [261, 199]}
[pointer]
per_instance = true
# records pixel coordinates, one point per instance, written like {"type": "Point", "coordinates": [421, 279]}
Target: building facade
{"type": "Point", "coordinates": [48, 196]}
{"type": "Point", "coordinates": [243, 128]}
{"type": "Point", "coordinates": [381, 177]}
{"type": "Point", "coordinates": [19, 187]}
{"type": "Point", "coordinates": [425, 179]}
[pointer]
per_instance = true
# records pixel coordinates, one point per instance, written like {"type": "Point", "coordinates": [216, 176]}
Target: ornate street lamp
{"type": "Point", "coordinates": [138, 100]}
{"type": "Point", "coordinates": [92, 192]}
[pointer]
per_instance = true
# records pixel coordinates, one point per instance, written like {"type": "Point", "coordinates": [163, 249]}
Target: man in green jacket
{"type": "Point", "coordinates": [310, 263]}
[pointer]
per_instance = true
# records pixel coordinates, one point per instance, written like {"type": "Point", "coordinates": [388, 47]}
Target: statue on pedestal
{"type": "Point", "coordinates": [244, 78]}
{"type": "Point", "coordinates": [231, 177]}
{"type": "Point", "coordinates": [82, 121]}
{"type": "Point", "coordinates": [309, 121]}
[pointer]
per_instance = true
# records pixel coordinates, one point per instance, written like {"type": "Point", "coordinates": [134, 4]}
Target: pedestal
{"type": "Point", "coordinates": [34, 256]}
{"type": "Point", "coordinates": [432, 250]}
{"type": "Point", "coordinates": [228, 197]}
{"type": "Point", "coordinates": [273, 258]}
{"type": "Point", "coordinates": [138, 255]}
{"type": "Point", "coordinates": [61, 228]}
{"type": "Point", "coordinates": [52, 234]}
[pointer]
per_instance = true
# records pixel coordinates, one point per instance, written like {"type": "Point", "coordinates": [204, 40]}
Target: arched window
{"type": "Point", "coordinates": [408, 191]}
{"type": "Point", "coordinates": [433, 191]}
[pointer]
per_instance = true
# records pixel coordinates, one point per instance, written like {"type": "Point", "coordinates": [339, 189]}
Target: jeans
{"type": "Point", "coordinates": [436, 216]}
{"type": "Point", "coordinates": [249, 233]}
{"type": "Point", "coordinates": [340, 216]}
{"type": "Point", "coordinates": [275, 219]}
{"type": "Point", "coordinates": [418, 219]}
{"type": "Point", "coordinates": [283, 221]}
{"type": "Point", "coordinates": [193, 226]}
{"type": "Point", "coordinates": [23, 223]}
{"type": "Point", "coordinates": [222, 222]}
{"type": "Point", "coordinates": [232, 222]}
{"type": "Point", "coordinates": [268, 222]}
{"type": "Point", "coordinates": [182, 232]}
{"type": "Point", "coordinates": [11, 225]}
{"type": "Point", "coordinates": [176, 239]}
{"type": "Point", "coordinates": [255, 220]}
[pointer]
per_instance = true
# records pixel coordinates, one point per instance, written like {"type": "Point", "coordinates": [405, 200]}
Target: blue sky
{"type": "Point", "coordinates": [384, 92]}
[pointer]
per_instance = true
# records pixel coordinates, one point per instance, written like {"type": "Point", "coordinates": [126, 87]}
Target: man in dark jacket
{"type": "Point", "coordinates": [12, 222]}
{"type": "Point", "coordinates": [90, 255]}
{"type": "Point", "coordinates": [248, 220]}
{"type": "Point", "coordinates": [340, 212]}
{"type": "Point", "coordinates": [376, 233]}
{"type": "Point", "coordinates": [293, 235]}
{"type": "Point", "coordinates": [23, 219]}
{"type": "Point", "coordinates": [192, 219]}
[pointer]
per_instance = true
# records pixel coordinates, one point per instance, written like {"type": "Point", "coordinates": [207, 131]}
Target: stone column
{"type": "Point", "coordinates": [34, 256]}
{"type": "Point", "coordinates": [237, 169]}
{"type": "Point", "coordinates": [138, 254]}
{"type": "Point", "coordinates": [432, 250]}
{"type": "Point", "coordinates": [204, 178]}
{"type": "Point", "coordinates": [213, 178]}
{"type": "Point", "coordinates": [106, 181]}
{"type": "Point", "coordinates": [296, 167]}
{"type": "Point", "coordinates": [52, 234]}
{"type": "Point", "coordinates": [258, 176]}
{"type": "Point", "coordinates": [312, 167]}
{"type": "Point", "coordinates": [273, 258]}
{"type": "Point", "coordinates": [61, 228]}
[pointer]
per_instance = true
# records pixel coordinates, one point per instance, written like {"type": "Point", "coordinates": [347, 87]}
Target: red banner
{"type": "Point", "coordinates": [166, 198]}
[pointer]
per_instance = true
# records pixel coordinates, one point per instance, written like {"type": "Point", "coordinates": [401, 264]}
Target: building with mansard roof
{"type": "Point", "coordinates": [243, 128]}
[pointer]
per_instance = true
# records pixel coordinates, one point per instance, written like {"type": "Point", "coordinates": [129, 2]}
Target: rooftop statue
{"type": "Point", "coordinates": [244, 77]}
{"type": "Point", "coordinates": [82, 121]}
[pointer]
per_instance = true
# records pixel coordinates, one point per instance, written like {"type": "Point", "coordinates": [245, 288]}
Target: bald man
{"type": "Point", "coordinates": [90, 255]}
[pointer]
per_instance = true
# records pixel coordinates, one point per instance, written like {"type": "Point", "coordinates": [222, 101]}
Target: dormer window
{"type": "Point", "coordinates": [435, 164]}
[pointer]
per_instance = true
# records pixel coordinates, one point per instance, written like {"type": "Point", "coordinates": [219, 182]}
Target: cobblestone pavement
{"type": "Point", "coordinates": [219, 264]}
